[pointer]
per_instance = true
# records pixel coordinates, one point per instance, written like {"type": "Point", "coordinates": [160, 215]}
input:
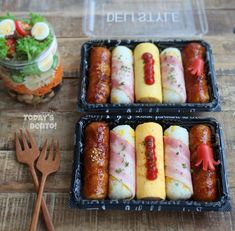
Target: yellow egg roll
{"type": "Point", "coordinates": [149, 189]}
{"type": "Point", "coordinates": [147, 93]}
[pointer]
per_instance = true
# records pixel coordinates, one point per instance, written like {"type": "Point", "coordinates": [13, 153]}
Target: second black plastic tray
{"type": "Point", "coordinates": [78, 201]}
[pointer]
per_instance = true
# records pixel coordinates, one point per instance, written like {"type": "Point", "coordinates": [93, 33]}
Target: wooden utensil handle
{"type": "Point", "coordinates": [45, 212]}
{"type": "Point", "coordinates": [37, 206]}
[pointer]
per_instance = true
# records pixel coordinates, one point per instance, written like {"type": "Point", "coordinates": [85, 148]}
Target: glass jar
{"type": "Point", "coordinates": [34, 82]}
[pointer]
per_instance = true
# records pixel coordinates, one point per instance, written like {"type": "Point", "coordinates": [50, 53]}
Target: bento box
{"type": "Point", "coordinates": [213, 104]}
{"type": "Point", "coordinates": [77, 199]}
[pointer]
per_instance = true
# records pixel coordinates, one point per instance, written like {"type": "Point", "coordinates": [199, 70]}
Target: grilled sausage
{"type": "Point", "coordinates": [96, 157]}
{"type": "Point", "coordinates": [204, 181]}
{"type": "Point", "coordinates": [99, 75]}
{"type": "Point", "coordinates": [194, 73]}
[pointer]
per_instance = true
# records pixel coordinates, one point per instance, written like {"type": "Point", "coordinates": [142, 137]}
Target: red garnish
{"type": "Point", "coordinates": [151, 159]}
{"type": "Point", "coordinates": [206, 157]}
{"type": "Point", "coordinates": [22, 28]}
{"type": "Point", "coordinates": [148, 68]}
{"type": "Point", "coordinates": [197, 67]}
{"type": "Point", "coordinates": [11, 44]}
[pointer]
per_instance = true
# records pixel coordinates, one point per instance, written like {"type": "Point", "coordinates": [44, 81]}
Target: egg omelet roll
{"type": "Point", "coordinates": [122, 163]}
{"type": "Point", "coordinates": [148, 87]}
{"type": "Point", "coordinates": [150, 176]}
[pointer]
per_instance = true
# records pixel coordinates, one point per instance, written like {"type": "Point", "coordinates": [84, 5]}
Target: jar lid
{"type": "Point", "coordinates": [149, 18]}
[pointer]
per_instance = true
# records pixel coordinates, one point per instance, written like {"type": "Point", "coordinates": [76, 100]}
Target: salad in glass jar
{"type": "Point", "coordinates": [29, 60]}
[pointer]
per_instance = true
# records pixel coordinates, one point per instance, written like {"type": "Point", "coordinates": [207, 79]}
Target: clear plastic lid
{"type": "Point", "coordinates": [144, 18]}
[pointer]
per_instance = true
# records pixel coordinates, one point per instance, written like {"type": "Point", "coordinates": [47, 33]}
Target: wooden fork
{"type": "Point", "coordinates": [27, 154]}
{"type": "Point", "coordinates": [46, 164]}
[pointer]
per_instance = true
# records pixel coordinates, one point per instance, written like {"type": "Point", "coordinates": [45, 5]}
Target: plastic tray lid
{"type": "Point", "coordinates": [144, 18]}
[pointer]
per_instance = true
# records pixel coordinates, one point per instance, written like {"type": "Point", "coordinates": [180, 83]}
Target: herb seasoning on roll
{"type": "Point", "coordinates": [193, 55]}
{"type": "Point", "coordinates": [203, 164]}
{"type": "Point", "coordinates": [99, 77]}
{"type": "Point", "coordinates": [150, 173]}
{"type": "Point", "coordinates": [96, 159]}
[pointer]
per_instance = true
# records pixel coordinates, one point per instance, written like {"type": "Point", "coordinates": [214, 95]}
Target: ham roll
{"type": "Point", "coordinates": [150, 174]}
{"type": "Point", "coordinates": [204, 174]}
{"type": "Point", "coordinates": [148, 88]}
{"type": "Point", "coordinates": [177, 163]}
{"type": "Point", "coordinates": [99, 75]}
{"type": "Point", "coordinates": [122, 163]}
{"type": "Point", "coordinates": [96, 158]}
{"type": "Point", "coordinates": [122, 77]}
{"type": "Point", "coordinates": [193, 56]}
{"type": "Point", "coordinates": [173, 85]}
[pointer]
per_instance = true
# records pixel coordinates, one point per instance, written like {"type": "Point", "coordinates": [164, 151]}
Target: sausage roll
{"type": "Point", "coordinates": [204, 174]}
{"type": "Point", "coordinates": [173, 85]}
{"type": "Point", "coordinates": [122, 76]}
{"type": "Point", "coordinates": [150, 174]}
{"type": "Point", "coordinates": [193, 55]}
{"type": "Point", "coordinates": [122, 163]}
{"type": "Point", "coordinates": [96, 158]}
{"type": "Point", "coordinates": [177, 163]}
{"type": "Point", "coordinates": [148, 87]}
{"type": "Point", "coordinates": [99, 75]}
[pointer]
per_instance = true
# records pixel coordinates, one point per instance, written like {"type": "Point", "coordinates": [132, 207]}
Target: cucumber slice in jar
{"type": "Point", "coordinates": [17, 77]}
{"type": "Point", "coordinates": [30, 70]}
{"type": "Point", "coordinates": [55, 61]}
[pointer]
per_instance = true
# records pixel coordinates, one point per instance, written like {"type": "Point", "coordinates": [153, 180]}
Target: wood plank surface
{"type": "Point", "coordinates": [73, 219]}
{"type": "Point", "coordinates": [16, 189]}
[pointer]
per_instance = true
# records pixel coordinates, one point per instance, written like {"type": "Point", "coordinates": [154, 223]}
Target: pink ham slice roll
{"type": "Point", "coordinates": [122, 163]}
{"type": "Point", "coordinates": [173, 84]}
{"type": "Point", "coordinates": [122, 77]}
{"type": "Point", "coordinates": [177, 163]}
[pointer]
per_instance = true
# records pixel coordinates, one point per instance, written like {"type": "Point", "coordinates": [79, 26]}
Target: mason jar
{"type": "Point", "coordinates": [36, 81]}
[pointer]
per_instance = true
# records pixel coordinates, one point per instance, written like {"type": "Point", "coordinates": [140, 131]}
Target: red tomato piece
{"type": "Point", "coordinates": [11, 44]}
{"type": "Point", "coordinates": [22, 28]}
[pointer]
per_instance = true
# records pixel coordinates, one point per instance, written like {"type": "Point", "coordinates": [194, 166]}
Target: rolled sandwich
{"type": "Point", "coordinates": [177, 163]}
{"type": "Point", "coordinates": [122, 77]}
{"type": "Point", "coordinates": [173, 85]}
{"type": "Point", "coordinates": [150, 162]}
{"type": "Point", "coordinates": [148, 86]}
{"type": "Point", "coordinates": [122, 163]}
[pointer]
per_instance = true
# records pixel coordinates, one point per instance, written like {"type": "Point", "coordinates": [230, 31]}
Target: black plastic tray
{"type": "Point", "coordinates": [77, 201]}
{"type": "Point", "coordinates": [83, 105]}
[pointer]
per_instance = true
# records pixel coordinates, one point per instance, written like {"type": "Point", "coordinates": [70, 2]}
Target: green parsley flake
{"type": "Point", "coordinates": [184, 165]}
{"type": "Point", "coordinates": [118, 170]}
